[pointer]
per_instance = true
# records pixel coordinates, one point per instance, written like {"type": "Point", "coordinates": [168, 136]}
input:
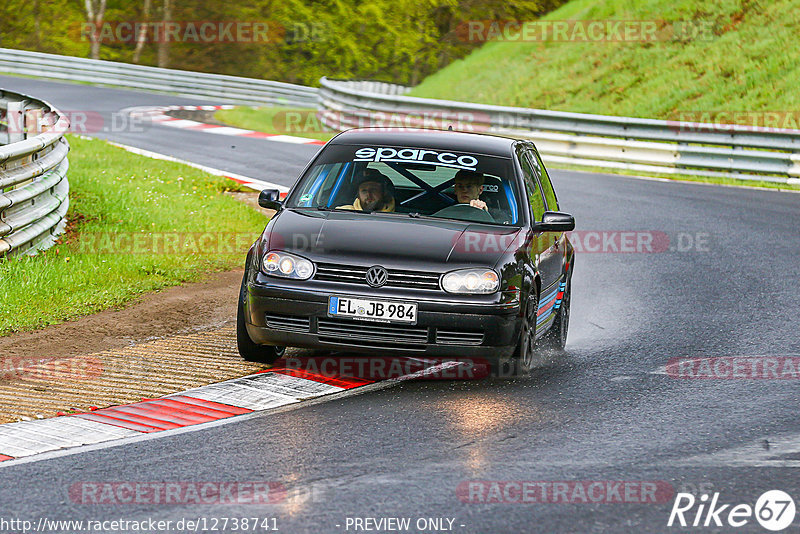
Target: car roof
{"type": "Point", "coordinates": [491, 145]}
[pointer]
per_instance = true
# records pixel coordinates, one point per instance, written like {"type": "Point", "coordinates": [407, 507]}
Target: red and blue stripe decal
{"type": "Point", "coordinates": [550, 302]}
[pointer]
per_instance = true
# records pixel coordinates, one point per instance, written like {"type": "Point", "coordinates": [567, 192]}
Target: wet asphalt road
{"type": "Point", "coordinates": [605, 411]}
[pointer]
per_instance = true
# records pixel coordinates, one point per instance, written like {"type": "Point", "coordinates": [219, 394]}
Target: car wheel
{"type": "Point", "coordinates": [523, 359]}
{"type": "Point", "coordinates": [556, 337]}
{"type": "Point", "coordinates": [250, 351]}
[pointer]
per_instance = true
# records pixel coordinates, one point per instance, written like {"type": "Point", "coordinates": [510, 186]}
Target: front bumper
{"type": "Point", "coordinates": [296, 314]}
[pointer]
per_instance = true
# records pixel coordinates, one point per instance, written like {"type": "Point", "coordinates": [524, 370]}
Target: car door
{"type": "Point", "coordinates": [550, 258]}
{"type": "Point", "coordinates": [539, 241]}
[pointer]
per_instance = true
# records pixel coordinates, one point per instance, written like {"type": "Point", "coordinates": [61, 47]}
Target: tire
{"type": "Point", "coordinates": [556, 337]}
{"type": "Point", "coordinates": [524, 357]}
{"type": "Point", "coordinates": [250, 351]}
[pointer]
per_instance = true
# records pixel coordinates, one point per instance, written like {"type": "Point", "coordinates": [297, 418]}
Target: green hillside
{"type": "Point", "coordinates": [746, 59]}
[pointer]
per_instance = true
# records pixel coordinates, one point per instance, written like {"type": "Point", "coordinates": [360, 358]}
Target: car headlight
{"type": "Point", "coordinates": [287, 265]}
{"type": "Point", "coordinates": [471, 281]}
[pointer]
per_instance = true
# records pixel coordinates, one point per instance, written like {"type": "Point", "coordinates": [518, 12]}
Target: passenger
{"type": "Point", "coordinates": [374, 192]}
{"type": "Point", "coordinates": [468, 186]}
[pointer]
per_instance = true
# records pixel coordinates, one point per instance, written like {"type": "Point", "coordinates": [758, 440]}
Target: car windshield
{"type": "Point", "coordinates": [411, 181]}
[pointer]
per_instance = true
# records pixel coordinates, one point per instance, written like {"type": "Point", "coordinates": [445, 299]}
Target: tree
{"type": "Point", "coordinates": [95, 11]}
{"type": "Point", "coordinates": [400, 41]}
{"type": "Point", "coordinates": [141, 37]}
{"type": "Point", "coordinates": [163, 42]}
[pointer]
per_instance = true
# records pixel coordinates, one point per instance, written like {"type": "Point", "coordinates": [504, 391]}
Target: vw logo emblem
{"type": "Point", "coordinates": [377, 276]}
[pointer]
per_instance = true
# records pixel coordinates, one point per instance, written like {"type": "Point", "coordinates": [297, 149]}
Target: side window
{"type": "Point", "coordinates": [532, 189]}
{"type": "Point", "coordinates": [547, 187]}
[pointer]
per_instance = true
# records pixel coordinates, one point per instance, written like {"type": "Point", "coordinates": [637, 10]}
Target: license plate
{"type": "Point", "coordinates": [382, 311]}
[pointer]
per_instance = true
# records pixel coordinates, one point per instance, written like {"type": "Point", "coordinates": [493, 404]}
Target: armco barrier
{"type": "Point", "coordinates": [221, 88]}
{"type": "Point", "coordinates": [750, 153]}
{"type": "Point", "coordinates": [33, 173]}
{"type": "Point", "coordinates": [743, 152]}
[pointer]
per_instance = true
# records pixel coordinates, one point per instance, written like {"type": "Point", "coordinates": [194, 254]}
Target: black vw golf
{"type": "Point", "coordinates": [434, 243]}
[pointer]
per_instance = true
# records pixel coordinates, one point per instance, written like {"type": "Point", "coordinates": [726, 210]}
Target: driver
{"type": "Point", "coordinates": [468, 187]}
{"type": "Point", "coordinates": [374, 192]}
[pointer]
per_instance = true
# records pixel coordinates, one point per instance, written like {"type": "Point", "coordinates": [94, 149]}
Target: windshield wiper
{"type": "Point", "coordinates": [328, 208]}
{"type": "Point", "coordinates": [341, 210]}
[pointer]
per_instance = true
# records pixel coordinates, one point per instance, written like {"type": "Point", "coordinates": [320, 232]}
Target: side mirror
{"type": "Point", "coordinates": [269, 198]}
{"type": "Point", "coordinates": [555, 221]}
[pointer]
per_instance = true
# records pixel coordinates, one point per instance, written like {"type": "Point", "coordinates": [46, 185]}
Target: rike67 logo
{"type": "Point", "coordinates": [774, 510]}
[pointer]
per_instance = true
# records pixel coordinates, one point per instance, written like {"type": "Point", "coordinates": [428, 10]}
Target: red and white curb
{"type": "Point", "coordinates": [159, 115]}
{"type": "Point", "coordinates": [260, 392]}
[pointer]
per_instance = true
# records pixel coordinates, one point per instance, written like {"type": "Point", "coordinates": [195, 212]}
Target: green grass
{"type": "Point", "coordinates": [299, 122]}
{"type": "Point", "coordinates": [748, 64]}
{"type": "Point", "coordinates": [114, 196]}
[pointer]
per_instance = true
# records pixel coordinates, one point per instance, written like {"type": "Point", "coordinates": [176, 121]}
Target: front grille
{"type": "Point", "coordinates": [374, 334]}
{"type": "Point", "coordinates": [413, 279]}
{"type": "Point", "coordinates": [290, 323]}
{"type": "Point", "coordinates": [454, 337]}
{"type": "Point", "coordinates": [332, 272]}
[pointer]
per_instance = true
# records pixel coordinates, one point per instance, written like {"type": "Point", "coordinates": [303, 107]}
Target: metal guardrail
{"type": "Point", "coordinates": [33, 173]}
{"type": "Point", "coordinates": [225, 89]}
{"type": "Point", "coordinates": [669, 147]}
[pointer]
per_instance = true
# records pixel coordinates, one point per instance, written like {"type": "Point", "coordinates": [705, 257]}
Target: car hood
{"type": "Point", "coordinates": [390, 240]}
